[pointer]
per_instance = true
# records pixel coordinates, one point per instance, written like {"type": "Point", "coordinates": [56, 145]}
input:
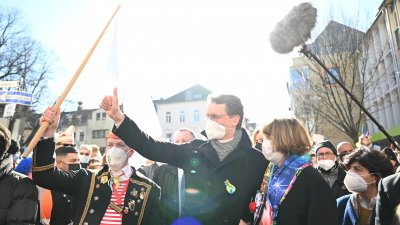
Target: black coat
{"type": "Point", "coordinates": [92, 191]}
{"type": "Point", "coordinates": [309, 202]}
{"type": "Point", "coordinates": [18, 196]}
{"type": "Point", "coordinates": [338, 188]}
{"type": "Point", "coordinates": [62, 211]}
{"type": "Point", "coordinates": [388, 198]}
{"type": "Point", "coordinates": [166, 176]}
{"type": "Point", "coordinates": [207, 198]}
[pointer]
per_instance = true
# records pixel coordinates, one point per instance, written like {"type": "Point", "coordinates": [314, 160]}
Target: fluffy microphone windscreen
{"type": "Point", "coordinates": [294, 29]}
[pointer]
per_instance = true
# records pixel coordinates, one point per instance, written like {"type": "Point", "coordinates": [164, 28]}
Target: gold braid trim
{"type": "Point", "coordinates": [88, 198]}
{"type": "Point", "coordinates": [39, 168]}
{"type": "Point", "coordinates": [42, 168]}
{"type": "Point", "coordinates": [147, 192]}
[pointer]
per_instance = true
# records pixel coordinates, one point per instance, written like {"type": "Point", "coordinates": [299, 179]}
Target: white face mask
{"type": "Point", "coordinates": [84, 158]}
{"type": "Point", "coordinates": [269, 153]}
{"type": "Point", "coordinates": [214, 130]}
{"type": "Point", "coordinates": [326, 164]}
{"type": "Point", "coordinates": [116, 158]}
{"type": "Point", "coordinates": [355, 183]}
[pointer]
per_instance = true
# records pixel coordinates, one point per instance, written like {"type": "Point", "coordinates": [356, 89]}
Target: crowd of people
{"type": "Point", "coordinates": [278, 177]}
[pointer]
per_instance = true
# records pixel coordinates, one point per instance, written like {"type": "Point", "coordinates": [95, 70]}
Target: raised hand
{"type": "Point", "coordinates": [52, 117]}
{"type": "Point", "coordinates": [111, 106]}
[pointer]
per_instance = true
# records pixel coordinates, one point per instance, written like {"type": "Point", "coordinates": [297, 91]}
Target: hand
{"type": "Point", "coordinates": [111, 106]}
{"type": "Point", "coordinates": [52, 117]}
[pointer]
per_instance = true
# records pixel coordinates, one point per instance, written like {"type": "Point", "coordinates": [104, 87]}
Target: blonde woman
{"type": "Point", "coordinates": [292, 192]}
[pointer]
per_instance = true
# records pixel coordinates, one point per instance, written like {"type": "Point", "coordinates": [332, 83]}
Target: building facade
{"type": "Point", "coordinates": [317, 99]}
{"type": "Point", "coordinates": [384, 50]}
{"type": "Point", "coordinates": [183, 110]}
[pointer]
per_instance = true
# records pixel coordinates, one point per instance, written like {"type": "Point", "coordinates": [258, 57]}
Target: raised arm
{"type": "Point", "coordinates": [129, 132]}
{"type": "Point", "coordinates": [44, 171]}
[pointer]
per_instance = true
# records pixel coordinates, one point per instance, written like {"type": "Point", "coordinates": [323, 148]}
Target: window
{"type": "Point", "coordinates": [298, 76]}
{"type": "Point", "coordinates": [104, 116]}
{"type": "Point", "coordinates": [329, 79]}
{"type": "Point", "coordinates": [196, 115]}
{"type": "Point", "coordinates": [168, 117]}
{"type": "Point", "coordinates": [98, 116]}
{"type": "Point", "coordinates": [182, 117]}
{"type": "Point", "coordinates": [81, 136]}
{"type": "Point", "coordinates": [97, 134]}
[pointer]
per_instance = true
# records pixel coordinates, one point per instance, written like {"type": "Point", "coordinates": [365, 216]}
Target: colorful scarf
{"type": "Point", "coordinates": [282, 179]}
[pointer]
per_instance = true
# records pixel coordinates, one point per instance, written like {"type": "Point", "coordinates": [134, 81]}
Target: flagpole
{"type": "Point", "coordinates": [71, 83]}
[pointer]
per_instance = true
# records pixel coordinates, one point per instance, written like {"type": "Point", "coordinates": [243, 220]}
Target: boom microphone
{"type": "Point", "coordinates": [294, 29]}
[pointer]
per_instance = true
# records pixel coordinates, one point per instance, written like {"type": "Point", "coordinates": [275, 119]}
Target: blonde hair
{"type": "Point", "coordinates": [288, 136]}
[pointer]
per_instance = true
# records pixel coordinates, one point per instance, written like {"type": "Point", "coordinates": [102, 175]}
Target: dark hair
{"type": "Point", "coordinates": [5, 139]}
{"type": "Point", "coordinates": [376, 162]}
{"type": "Point", "coordinates": [233, 106]}
{"type": "Point", "coordinates": [64, 150]}
{"type": "Point", "coordinates": [14, 147]}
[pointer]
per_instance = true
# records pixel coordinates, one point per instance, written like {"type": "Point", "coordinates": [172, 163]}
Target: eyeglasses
{"type": "Point", "coordinates": [215, 116]}
{"type": "Point", "coordinates": [326, 154]}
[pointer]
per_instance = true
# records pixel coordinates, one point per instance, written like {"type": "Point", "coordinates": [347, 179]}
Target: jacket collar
{"type": "Point", "coordinates": [238, 153]}
{"type": "Point", "coordinates": [244, 141]}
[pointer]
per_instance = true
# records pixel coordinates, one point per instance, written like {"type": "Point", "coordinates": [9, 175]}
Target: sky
{"type": "Point", "coordinates": [166, 47]}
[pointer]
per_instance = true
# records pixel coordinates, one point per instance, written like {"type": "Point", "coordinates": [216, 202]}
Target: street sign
{"type": "Point", "coordinates": [9, 110]}
{"type": "Point", "coordinates": [18, 97]}
{"type": "Point", "coordinates": [9, 84]}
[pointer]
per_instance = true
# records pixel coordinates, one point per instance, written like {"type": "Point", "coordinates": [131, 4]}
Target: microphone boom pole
{"type": "Point", "coordinates": [307, 52]}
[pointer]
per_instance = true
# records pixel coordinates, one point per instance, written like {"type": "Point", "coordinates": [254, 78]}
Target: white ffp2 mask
{"type": "Point", "coordinates": [269, 153]}
{"type": "Point", "coordinates": [116, 158]}
{"type": "Point", "coordinates": [214, 130]}
{"type": "Point", "coordinates": [355, 183]}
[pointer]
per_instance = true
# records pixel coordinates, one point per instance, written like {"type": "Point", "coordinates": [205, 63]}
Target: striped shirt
{"type": "Point", "coordinates": [111, 216]}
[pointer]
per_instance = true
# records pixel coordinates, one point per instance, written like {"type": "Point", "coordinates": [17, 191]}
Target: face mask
{"type": "Point", "coordinates": [72, 167]}
{"type": "Point", "coordinates": [355, 183]}
{"type": "Point", "coordinates": [258, 146]}
{"type": "Point", "coordinates": [269, 154]}
{"type": "Point", "coordinates": [116, 158]}
{"type": "Point", "coordinates": [326, 164]}
{"type": "Point", "coordinates": [214, 130]}
{"type": "Point", "coordinates": [84, 158]}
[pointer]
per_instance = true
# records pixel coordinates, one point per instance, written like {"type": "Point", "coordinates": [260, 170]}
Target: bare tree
{"type": "Point", "coordinates": [340, 48]}
{"type": "Point", "coordinates": [22, 59]}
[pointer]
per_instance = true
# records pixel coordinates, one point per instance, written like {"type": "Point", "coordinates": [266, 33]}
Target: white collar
{"type": "Point", "coordinates": [364, 204]}
{"type": "Point", "coordinates": [127, 170]}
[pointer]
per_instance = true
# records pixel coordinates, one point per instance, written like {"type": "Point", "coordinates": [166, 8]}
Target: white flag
{"type": "Point", "coordinates": [132, 91]}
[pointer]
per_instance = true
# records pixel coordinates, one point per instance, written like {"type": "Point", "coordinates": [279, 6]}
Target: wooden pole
{"type": "Point", "coordinates": [71, 83]}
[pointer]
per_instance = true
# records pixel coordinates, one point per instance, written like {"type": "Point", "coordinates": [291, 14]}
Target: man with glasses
{"type": "Point", "coordinates": [221, 173]}
{"type": "Point", "coordinates": [344, 148]}
{"type": "Point", "coordinates": [329, 167]}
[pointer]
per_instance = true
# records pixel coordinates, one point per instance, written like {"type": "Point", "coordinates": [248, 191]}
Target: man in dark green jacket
{"type": "Point", "coordinates": [221, 174]}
